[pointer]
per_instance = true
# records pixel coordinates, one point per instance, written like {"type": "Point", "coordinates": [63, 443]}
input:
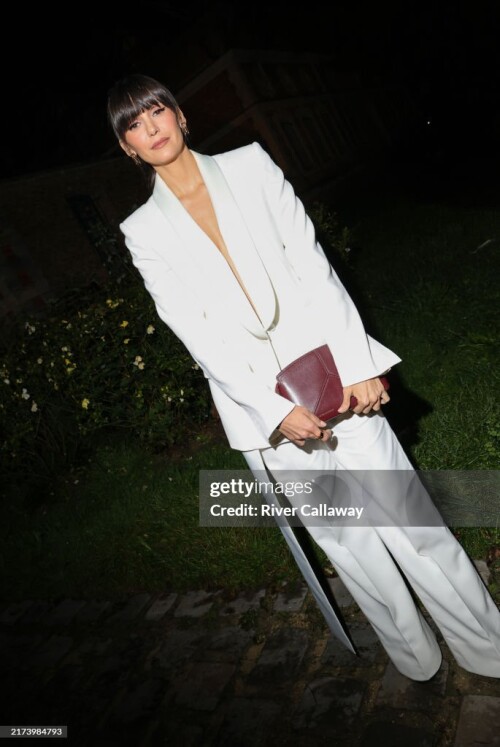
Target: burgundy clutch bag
{"type": "Point", "coordinates": [313, 381]}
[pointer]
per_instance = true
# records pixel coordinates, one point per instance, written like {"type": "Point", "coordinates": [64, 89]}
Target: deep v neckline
{"type": "Point", "coordinates": [216, 217]}
{"type": "Point", "coordinates": [211, 274]}
{"type": "Point", "coordinates": [224, 252]}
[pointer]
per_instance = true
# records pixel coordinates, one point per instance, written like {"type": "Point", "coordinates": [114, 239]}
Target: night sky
{"type": "Point", "coordinates": [446, 53]}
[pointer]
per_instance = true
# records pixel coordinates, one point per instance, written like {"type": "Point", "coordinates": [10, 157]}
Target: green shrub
{"type": "Point", "coordinates": [334, 238]}
{"type": "Point", "coordinates": [110, 363]}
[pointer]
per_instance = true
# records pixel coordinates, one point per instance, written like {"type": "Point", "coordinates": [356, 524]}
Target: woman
{"type": "Point", "coordinates": [230, 258]}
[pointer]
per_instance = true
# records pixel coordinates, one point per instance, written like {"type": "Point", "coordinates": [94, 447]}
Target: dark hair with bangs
{"type": "Point", "coordinates": [133, 95]}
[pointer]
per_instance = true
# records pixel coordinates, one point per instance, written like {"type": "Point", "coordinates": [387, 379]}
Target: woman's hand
{"type": "Point", "coordinates": [370, 395]}
{"type": "Point", "coordinates": [301, 423]}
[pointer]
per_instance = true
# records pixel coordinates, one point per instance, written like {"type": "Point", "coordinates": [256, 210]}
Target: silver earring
{"type": "Point", "coordinates": [185, 130]}
{"type": "Point", "coordinates": [135, 158]}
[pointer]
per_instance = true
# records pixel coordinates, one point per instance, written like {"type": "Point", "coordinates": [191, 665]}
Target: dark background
{"type": "Point", "coordinates": [56, 73]}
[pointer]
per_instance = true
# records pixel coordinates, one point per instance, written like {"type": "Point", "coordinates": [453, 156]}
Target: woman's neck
{"type": "Point", "coordinates": [181, 175]}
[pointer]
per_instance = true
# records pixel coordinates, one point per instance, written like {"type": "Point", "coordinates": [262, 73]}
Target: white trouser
{"type": "Point", "coordinates": [366, 559]}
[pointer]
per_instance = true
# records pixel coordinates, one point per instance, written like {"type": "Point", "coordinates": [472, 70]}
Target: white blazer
{"type": "Point", "coordinates": [300, 300]}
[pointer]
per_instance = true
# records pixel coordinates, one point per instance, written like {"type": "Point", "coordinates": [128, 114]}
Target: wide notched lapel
{"type": "Point", "coordinates": [208, 271]}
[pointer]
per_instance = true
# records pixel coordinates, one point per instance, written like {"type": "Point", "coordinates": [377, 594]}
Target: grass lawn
{"type": "Point", "coordinates": [130, 522]}
{"type": "Point", "coordinates": [424, 276]}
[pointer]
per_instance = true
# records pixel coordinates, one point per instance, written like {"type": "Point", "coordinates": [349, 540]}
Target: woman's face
{"type": "Point", "coordinates": [154, 136]}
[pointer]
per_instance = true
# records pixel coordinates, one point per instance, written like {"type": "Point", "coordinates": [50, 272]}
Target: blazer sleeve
{"type": "Point", "coordinates": [204, 341]}
{"type": "Point", "coordinates": [357, 356]}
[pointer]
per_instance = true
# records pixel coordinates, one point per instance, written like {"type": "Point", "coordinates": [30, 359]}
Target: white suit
{"type": "Point", "coordinates": [300, 303]}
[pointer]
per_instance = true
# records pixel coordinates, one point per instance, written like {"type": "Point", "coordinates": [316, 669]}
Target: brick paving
{"type": "Point", "coordinates": [200, 668]}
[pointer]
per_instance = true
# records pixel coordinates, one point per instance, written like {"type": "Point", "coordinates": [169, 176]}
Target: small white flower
{"type": "Point", "coordinates": [39, 360]}
{"type": "Point", "coordinates": [150, 329]}
{"type": "Point", "coordinates": [6, 381]}
{"type": "Point", "coordinates": [34, 407]}
{"type": "Point", "coordinates": [25, 394]}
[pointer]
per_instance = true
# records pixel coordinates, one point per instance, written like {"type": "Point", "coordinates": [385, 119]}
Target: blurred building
{"type": "Point", "coordinates": [58, 231]}
{"type": "Point", "coordinates": [320, 125]}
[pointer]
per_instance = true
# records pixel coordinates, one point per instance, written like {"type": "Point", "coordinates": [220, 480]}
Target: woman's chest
{"type": "Point", "coordinates": [200, 208]}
